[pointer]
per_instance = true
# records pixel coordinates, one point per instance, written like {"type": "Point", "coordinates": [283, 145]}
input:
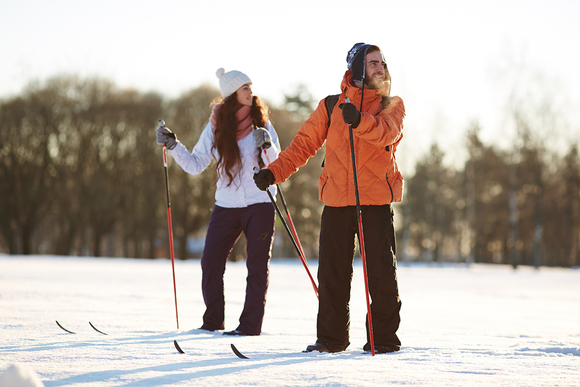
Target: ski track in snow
{"type": "Point", "coordinates": [476, 325]}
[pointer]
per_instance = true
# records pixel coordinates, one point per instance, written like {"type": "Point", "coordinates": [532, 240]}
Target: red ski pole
{"type": "Point", "coordinates": [302, 256]}
{"type": "Point", "coordinates": [295, 234]}
{"type": "Point", "coordinates": [162, 124]}
{"type": "Point", "coordinates": [361, 236]}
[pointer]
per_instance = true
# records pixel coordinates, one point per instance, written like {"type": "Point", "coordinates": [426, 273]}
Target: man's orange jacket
{"type": "Point", "coordinates": [375, 142]}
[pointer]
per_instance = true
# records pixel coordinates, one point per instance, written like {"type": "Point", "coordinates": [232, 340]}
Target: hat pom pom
{"type": "Point", "coordinates": [221, 71]}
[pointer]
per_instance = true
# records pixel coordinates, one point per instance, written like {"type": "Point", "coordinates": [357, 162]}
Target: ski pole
{"type": "Point", "coordinates": [295, 234]}
{"type": "Point", "coordinates": [302, 256]}
{"type": "Point", "coordinates": [162, 124]}
{"type": "Point", "coordinates": [361, 235]}
{"type": "Point", "coordinates": [294, 243]}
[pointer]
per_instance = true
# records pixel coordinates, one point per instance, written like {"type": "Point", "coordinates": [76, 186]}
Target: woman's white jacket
{"type": "Point", "coordinates": [242, 192]}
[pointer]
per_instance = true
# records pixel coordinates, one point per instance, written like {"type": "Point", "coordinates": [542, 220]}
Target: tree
{"type": "Point", "coordinates": [430, 206]}
{"type": "Point", "coordinates": [485, 185]}
{"type": "Point", "coordinates": [192, 197]}
{"type": "Point", "coordinates": [102, 149]}
{"type": "Point", "coordinates": [571, 207]}
{"type": "Point", "coordinates": [142, 177]}
{"type": "Point", "coordinates": [562, 212]}
{"type": "Point", "coordinates": [69, 150]}
{"type": "Point", "coordinates": [27, 126]}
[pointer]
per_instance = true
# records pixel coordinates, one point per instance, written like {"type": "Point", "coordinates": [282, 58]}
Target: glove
{"type": "Point", "coordinates": [264, 178]}
{"type": "Point", "coordinates": [350, 114]}
{"type": "Point", "coordinates": [166, 137]}
{"type": "Point", "coordinates": [262, 138]}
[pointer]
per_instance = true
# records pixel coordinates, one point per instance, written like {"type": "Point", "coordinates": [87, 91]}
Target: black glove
{"type": "Point", "coordinates": [166, 137]}
{"type": "Point", "coordinates": [350, 114]}
{"type": "Point", "coordinates": [264, 178]}
{"type": "Point", "coordinates": [262, 138]}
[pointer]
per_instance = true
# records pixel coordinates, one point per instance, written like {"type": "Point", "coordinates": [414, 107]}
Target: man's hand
{"type": "Point", "coordinates": [262, 138]}
{"type": "Point", "coordinates": [264, 178]}
{"type": "Point", "coordinates": [166, 137]}
{"type": "Point", "coordinates": [350, 114]}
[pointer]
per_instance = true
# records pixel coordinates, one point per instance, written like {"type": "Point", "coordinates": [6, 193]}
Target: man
{"type": "Point", "coordinates": [377, 122]}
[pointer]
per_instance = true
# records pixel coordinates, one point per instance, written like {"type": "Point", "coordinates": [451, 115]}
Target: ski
{"type": "Point", "coordinates": [238, 353]}
{"type": "Point", "coordinates": [102, 333]}
{"type": "Point", "coordinates": [63, 328]}
{"type": "Point", "coordinates": [242, 356]}
{"type": "Point", "coordinates": [177, 347]}
{"type": "Point", "coordinates": [74, 333]}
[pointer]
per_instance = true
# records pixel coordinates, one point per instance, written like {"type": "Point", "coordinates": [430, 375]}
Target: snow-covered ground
{"type": "Point", "coordinates": [480, 325]}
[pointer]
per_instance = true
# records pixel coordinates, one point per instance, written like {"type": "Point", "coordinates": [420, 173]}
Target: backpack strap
{"type": "Point", "coordinates": [330, 102]}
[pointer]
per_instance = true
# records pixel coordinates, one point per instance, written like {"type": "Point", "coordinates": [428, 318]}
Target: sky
{"type": "Point", "coordinates": [453, 62]}
{"type": "Point", "coordinates": [475, 325]}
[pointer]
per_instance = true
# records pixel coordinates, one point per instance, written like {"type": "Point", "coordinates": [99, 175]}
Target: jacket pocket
{"type": "Point", "coordinates": [321, 185]}
{"type": "Point", "coordinates": [390, 187]}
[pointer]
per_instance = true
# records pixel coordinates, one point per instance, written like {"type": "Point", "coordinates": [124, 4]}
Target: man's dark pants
{"type": "Point", "coordinates": [339, 225]}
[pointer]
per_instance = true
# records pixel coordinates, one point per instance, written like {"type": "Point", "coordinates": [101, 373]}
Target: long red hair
{"type": "Point", "coordinates": [229, 161]}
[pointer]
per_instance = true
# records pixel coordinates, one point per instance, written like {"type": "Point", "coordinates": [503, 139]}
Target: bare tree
{"type": "Point", "coordinates": [27, 126]}
{"type": "Point", "coordinates": [192, 197]}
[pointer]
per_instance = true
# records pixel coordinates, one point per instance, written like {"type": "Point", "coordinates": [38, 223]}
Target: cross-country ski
{"type": "Point", "coordinates": [177, 347]}
{"type": "Point", "coordinates": [69, 331]}
{"type": "Point", "coordinates": [238, 353]}
{"type": "Point", "coordinates": [63, 328]}
{"type": "Point", "coordinates": [101, 332]}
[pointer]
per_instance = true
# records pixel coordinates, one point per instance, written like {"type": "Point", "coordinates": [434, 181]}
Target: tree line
{"type": "Point", "coordinates": [81, 174]}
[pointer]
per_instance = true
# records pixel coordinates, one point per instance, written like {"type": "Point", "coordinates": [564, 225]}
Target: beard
{"type": "Point", "coordinates": [383, 86]}
{"type": "Point", "coordinates": [374, 83]}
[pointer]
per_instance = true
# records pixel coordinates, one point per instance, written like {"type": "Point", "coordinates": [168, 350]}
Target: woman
{"type": "Point", "coordinates": [237, 135]}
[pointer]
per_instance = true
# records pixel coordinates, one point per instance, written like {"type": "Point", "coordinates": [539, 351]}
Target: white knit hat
{"type": "Point", "coordinates": [231, 81]}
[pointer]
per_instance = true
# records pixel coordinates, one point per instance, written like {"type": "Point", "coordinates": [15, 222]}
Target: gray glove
{"type": "Point", "coordinates": [262, 138]}
{"type": "Point", "coordinates": [166, 137]}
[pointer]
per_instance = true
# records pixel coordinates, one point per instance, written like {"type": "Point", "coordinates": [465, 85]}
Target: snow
{"type": "Point", "coordinates": [18, 375]}
{"type": "Point", "coordinates": [476, 325]}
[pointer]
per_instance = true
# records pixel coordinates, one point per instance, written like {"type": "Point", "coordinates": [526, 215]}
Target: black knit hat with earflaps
{"type": "Point", "coordinates": [356, 61]}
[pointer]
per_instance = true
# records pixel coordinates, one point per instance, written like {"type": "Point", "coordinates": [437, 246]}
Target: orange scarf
{"type": "Point", "coordinates": [245, 121]}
